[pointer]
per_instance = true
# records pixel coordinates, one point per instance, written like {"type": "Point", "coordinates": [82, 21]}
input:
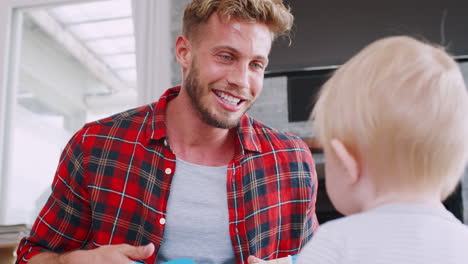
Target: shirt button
{"type": "Point", "coordinates": [165, 142]}
{"type": "Point", "coordinates": [168, 171]}
{"type": "Point", "coordinates": [162, 221]}
{"type": "Point", "coordinates": [237, 230]}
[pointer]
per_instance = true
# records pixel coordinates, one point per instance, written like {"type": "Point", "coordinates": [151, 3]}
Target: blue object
{"type": "Point", "coordinates": [189, 261]}
{"type": "Point", "coordinates": [180, 261]}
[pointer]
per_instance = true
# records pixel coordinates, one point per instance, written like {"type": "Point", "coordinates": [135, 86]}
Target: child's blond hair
{"type": "Point", "coordinates": [401, 107]}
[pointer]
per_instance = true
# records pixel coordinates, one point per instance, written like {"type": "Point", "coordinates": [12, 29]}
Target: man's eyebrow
{"type": "Point", "coordinates": [235, 51]}
{"type": "Point", "coordinates": [225, 47]}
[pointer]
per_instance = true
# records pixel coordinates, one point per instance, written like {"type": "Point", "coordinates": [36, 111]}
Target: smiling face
{"type": "Point", "coordinates": [224, 72]}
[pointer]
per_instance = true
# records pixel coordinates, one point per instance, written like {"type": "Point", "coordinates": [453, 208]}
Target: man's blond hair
{"type": "Point", "coordinates": [272, 13]}
{"type": "Point", "coordinates": [401, 106]}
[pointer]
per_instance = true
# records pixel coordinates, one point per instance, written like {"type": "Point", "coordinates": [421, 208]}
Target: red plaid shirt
{"type": "Point", "coordinates": [114, 177]}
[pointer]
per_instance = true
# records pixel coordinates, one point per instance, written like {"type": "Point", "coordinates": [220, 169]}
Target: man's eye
{"type": "Point", "coordinates": [226, 57]}
{"type": "Point", "coordinates": [258, 66]}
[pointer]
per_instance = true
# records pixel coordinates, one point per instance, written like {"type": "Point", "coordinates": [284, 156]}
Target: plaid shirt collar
{"type": "Point", "coordinates": [247, 136]}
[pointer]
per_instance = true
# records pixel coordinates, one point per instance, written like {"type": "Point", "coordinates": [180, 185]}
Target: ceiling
{"type": "Point", "coordinates": [106, 29]}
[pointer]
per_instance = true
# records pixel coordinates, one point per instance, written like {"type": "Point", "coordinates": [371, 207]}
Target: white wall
{"type": "Point", "coordinates": [152, 22]}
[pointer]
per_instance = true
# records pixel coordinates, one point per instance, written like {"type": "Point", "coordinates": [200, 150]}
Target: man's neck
{"type": "Point", "coordinates": [193, 140]}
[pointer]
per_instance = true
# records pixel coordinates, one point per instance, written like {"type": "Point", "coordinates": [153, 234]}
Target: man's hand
{"type": "Point", "coordinates": [253, 259]}
{"type": "Point", "coordinates": [283, 260]}
{"type": "Point", "coordinates": [116, 254]}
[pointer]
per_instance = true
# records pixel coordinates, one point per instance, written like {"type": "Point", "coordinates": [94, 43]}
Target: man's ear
{"type": "Point", "coordinates": [347, 160]}
{"type": "Point", "coordinates": [183, 52]}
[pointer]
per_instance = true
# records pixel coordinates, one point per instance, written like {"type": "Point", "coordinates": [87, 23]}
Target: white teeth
{"type": "Point", "coordinates": [228, 98]}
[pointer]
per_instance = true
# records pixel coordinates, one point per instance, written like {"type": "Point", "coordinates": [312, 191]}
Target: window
{"type": "Point", "coordinates": [76, 64]}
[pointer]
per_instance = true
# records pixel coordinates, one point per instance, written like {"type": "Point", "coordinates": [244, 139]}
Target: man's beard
{"type": "Point", "coordinates": [195, 92]}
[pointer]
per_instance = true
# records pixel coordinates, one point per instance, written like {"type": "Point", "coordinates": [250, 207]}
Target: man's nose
{"type": "Point", "coordinates": [239, 76]}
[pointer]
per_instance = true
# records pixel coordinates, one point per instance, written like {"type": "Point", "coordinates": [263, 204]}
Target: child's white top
{"type": "Point", "coordinates": [390, 234]}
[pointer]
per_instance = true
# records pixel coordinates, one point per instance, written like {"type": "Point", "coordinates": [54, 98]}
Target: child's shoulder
{"type": "Point", "coordinates": [398, 217]}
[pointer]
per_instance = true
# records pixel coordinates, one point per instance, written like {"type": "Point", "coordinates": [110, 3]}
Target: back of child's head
{"type": "Point", "coordinates": [401, 107]}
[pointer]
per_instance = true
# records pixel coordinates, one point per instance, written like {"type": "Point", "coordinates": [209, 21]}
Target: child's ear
{"type": "Point", "coordinates": [183, 52]}
{"type": "Point", "coordinates": [347, 160]}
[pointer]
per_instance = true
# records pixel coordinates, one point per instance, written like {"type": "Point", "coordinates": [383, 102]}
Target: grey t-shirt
{"type": "Point", "coordinates": [197, 222]}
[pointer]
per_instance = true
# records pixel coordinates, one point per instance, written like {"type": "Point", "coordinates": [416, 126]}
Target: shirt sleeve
{"type": "Point", "coordinates": [64, 222]}
{"type": "Point", "coordinates": [311, 222]}
{"type": "Point", "coordinates": [324, 248]}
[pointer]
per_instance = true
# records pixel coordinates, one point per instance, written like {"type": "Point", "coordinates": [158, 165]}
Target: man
{"type": "Point", "coordinates": [237, 188]}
